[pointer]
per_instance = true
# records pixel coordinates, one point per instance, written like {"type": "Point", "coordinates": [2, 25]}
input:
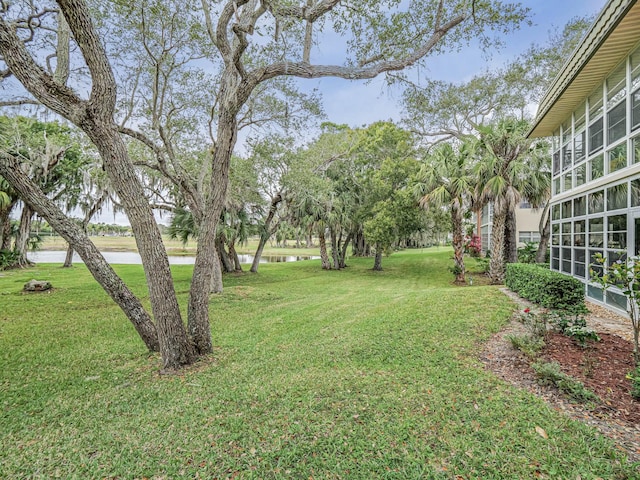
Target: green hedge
{"type": "Point", "coordinates": [545, 287]}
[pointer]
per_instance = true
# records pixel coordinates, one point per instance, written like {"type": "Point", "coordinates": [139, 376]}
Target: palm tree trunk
{"type": "Point", "coordinates": [258, 255]}
{"type": "Point", "coordinates": [360, 248]}
{"type": "Point", "coordinates": [324, 257]}
{"type": "Point", "coordinates": [234, 257]}
{"type": "Point", "coordinates": [458, 243]}
{"type": "Point", "coordinates": [343, 252]}
{"type": "Point", "coordinates": [510, 236]}
{"type": "Point", "coordinates": [496, 264]}
{"type": "Point", "coordinates": [545, 228]}
{"type": "Point", "coordinates": [227, 266]}
{"type": "Point", "coordinates": [267, 232]}
{"type": "Point", "coordinates": [335, 249]}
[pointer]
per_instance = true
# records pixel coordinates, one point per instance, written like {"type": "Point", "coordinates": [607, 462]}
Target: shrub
{"type": "Point", "coordinates": [582, 334]}
{"type": "Point", "coordinates": [634, 376]}
{"type": "Point", "coordinates": [482, 264]}
{"type": "Point", "coordinates": [545, 287]}
{"type": "Point", "coordinates": [528, 253]}
{"type": "Point", "coordinates": [474, 246]}
{"type": "Point", "coordinates": [574, 326]}
{"type": "Point", "coordinates": [530, 345]}
{"type": "Point", "coordinates": [456, 270]}
{"type": "Point", "coordinates": [8, 258]}
{"type": "Point", "coordinates": [625, 275]}
{"type": "Point", "coordinates": [562, 320]}
{"type": "Point", "coordinates": [551, 375]}
{"type": "Point", "coordinates": [536, 323]}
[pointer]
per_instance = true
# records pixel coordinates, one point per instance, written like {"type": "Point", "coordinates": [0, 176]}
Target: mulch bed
{"type": "Point", "coordinates": [601, 366]}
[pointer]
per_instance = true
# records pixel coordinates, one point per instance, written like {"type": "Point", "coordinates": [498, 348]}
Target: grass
{"type": "Point", "coordinates": [323, 374]}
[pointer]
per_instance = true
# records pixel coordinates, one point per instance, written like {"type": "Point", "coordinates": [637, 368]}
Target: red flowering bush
{"type": "Point", "coordinates": [473, 246]}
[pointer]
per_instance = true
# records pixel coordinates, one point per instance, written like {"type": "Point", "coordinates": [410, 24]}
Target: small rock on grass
{"type": "Point", "coordinates": [37, 286]}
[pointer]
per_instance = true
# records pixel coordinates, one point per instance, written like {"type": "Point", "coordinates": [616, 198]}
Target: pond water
{"type": "Point", "coordinates": [132, 258]}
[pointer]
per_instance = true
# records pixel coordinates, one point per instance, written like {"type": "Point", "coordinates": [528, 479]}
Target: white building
{"type": "Point", "coordinates": [592, 113]}
{"type": "Point", "coordinates": [527, 225]}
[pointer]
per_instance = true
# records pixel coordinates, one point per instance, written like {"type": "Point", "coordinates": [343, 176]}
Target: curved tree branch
{"type": "Point", "coordinates": [35, 79]}
{"type": "Point", "coordinates": [103, 92]}
{"type": "Point", "coordinates": [305, 70]}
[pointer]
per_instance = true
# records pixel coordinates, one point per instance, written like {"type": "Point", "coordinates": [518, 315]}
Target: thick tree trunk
{"type": "Point", "coordinates": [204, 275]}
{"type": "Point", "coordinates": [216, 277]}
{"type": "Point", "coordinates": [198, 310]}
{"type": "Point", "coordinates": [175, 346]}
{"type": "Point", "coordinates": [545, 230]}
{"type": "Point", "coordinates": [95, 262]}
{"type": "Point", "coordinates": [5, 228]}
{"type": "Point", "coordinates": [234, 257]}
{"type": "Point", "coordinates": [335, 249]}
{"type": "Point", "coordinates": [496, 263]}
{"type": "Point", "coordinates": [267, 232]}
{"type": "Point", "coordinates": [360, 248]}
{"type": "Point", "coordinates": [458, 243]}
{"type": "Point", "coordinates": [68, 259]}
{"type": "Point", "coordinates": [22, 240]}
{"type": "Point", "coordinates": [258, 255]}
{"type": "Point", "coordinates": [343, 252]}
{"type": "Point", "coordinates": [377, 262]}
{"type": "Point", "coordinates": [510, 236]}
{"type": "Point", "coordinates": [95, 117]}
{"type": "Point", "coordinates": [227, 264]}
{"type": "Point", "coordinates": [324, 257]}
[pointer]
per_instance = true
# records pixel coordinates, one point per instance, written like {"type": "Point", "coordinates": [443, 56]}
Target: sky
{"type": "Point", "coordinates": [358, 103]}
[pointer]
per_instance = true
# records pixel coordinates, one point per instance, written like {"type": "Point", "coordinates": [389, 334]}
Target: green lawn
{"type": "Point", "coordinates": [323, 374]}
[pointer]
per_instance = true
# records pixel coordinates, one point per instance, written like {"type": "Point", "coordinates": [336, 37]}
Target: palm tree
{"type": "Point", "coordinates": [510, 170]}
{"type": "Point", "coordinates": [447, 179]}
{"type": "Point", "coordinates": [311, 211]}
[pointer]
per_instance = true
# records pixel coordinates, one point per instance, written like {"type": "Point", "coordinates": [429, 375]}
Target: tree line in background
{"type": "Point", "coordinates": [155, 93]}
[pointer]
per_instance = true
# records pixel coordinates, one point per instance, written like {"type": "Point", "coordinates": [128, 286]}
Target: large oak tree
{"type": "Point", "coordinates": [249, 43]}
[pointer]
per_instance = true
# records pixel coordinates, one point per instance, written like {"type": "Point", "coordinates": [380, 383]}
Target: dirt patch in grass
{"type": "Point", "coordinates": [601, 366]}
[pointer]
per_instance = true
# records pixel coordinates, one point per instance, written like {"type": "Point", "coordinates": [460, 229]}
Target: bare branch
{"type": "Point", "coordinates": [308, 38]}
{"type": "Point", "coordinates": [142, 138]}
{"type": "Point", "coordinates": [305, 70]}
{"type": "Point", "coordinates": [221, 40]}
{"type": "Point", "coordinates": [17, 103]}
{"type": "Point", "coordinates": [61, 74]}
{"type": "Point", "coordinates": [167, 208]}
{"type": "Point", "coordinates": [39, 83]}
{"type": "Point", "coordinates": [192, 195]}
{"type": "Point", "coordinates": [207, 17]}
{"type": "Point", "coordinates": [310, 14]}
{"type": "Point", "coordinates": [439, 14]}
{"type": "Point", "coordinates": [103, 91]}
